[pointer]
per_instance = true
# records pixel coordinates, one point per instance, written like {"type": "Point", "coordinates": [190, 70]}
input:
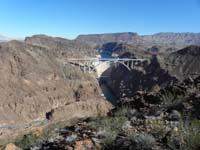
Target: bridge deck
{"type": "Point", "coordinates": [104, 59]}
{"type": "Point", "coordinates": [100, 65]}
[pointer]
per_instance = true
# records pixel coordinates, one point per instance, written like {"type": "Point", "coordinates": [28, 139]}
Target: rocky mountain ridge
{"type": "Point", "coordinates": [185, 63]}
{"type": "Point", "coordinates": [63, 47]}
{"type": "Point", "coordinates": [166, 40]}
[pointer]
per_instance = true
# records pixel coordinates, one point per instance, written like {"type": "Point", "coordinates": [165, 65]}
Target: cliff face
{"type": "Point", "coordinates": [185, 62]}
{"type": "Point", "coordinates": [162, 72]}
{"type": "Point", "coordinates": [146, 76]}
{"type": "Point", "coordinates": [33, 82]}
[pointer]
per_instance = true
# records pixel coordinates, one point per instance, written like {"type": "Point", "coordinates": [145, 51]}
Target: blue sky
{"type": "Point", "coordinates": [69, 18]}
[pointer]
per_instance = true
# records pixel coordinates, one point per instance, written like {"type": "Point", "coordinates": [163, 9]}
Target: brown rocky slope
{"type": "Point", "coordinates": [61, 47]}
{"type": "Point", "coordinates": [33, 83]}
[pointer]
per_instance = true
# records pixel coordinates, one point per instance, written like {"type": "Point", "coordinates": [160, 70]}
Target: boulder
{"type": "Point", "coordinates": [12, 146]}
{"type": "Point", "coordinates": [84, 145]}
{"type": "Point", "coordinates": [174, 116]}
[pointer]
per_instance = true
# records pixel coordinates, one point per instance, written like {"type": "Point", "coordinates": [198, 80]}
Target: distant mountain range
{"type": "Point", "coordinates": [4, 38]}
{"type": "Point", "coordinates": [166, 40]}
{"type": "Point", "coordinates": [163, 39]}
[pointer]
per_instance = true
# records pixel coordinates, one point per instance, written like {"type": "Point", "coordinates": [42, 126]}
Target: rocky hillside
{"type": "Point", "coordinates": [145, 76]}
{"type": "Point", "coordinates": [158, 73]}
{"type": "Point", "coordinates": [166, 119]}
{"type": "Point", "coordinates": [185, 63]}
{"type": "Point", "coordinates": [61, 47]}
{"type": "Point", "coordinates": [34, 85]}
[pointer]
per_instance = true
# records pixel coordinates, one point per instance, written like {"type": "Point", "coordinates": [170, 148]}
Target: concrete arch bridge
{"type": "Point", "coordinates": [100, 65]}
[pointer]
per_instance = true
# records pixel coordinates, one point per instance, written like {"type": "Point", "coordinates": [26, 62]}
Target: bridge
{"type": "Point", "coordinates": [99, 65]}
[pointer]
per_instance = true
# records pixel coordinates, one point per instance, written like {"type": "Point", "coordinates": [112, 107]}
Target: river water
{"type": "Point", "coordinates": [108, 94]}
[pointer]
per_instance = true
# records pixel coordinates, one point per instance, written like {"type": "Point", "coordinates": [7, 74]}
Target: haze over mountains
{"type": "Point", "coordinates": [4, 38]}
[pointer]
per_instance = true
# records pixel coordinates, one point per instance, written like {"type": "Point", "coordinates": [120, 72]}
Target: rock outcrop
{"type": "Point", "coordinates": [11, 146]}
{"type": "Point", "coordinates": [185, 63]}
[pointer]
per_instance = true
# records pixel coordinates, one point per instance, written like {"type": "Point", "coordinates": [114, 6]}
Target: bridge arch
{"type": "Point", "coordinates": [110, 62]}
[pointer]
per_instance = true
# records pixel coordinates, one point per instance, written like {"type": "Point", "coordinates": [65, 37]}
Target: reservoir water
{"type": "Point", "coordinates": [106, 54]}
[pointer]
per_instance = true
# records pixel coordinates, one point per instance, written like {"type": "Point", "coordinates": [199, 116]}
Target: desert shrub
{"type": "Point", "coordinates": [110, 125]}
{"type": "Point", "coordinates": [142, 141]}
{"type": "Point", "coordinates": [115, 122]}
{"type": "Point", "coordinates": [122, 111]}
{"type": "Point", "coordinates": [187, 138]}
{"type": "Point", "coordinates": [27, 141]}
{"type": "Point", "coordinates": [159, 131]}
{"type": "Point", "coordinates": [171, 97]}
{"type": "Point", "coordinates": [31, 139]}
{"type": "Point", "coordinates": [110, 136]}
{"type": "Point", "coordinates": [70, 72]}
{"type": "Point", "coordinates": [190, 132]}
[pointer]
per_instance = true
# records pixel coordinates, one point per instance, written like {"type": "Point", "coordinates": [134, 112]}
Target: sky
{"type": "Point", "coordinates": [69, 18]}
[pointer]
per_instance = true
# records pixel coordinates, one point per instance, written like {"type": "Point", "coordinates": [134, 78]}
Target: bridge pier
{"type": "Point", "coordinates": [132, 64]}
{"type": "Point", "coordinates": [79, 65]}
{"type": "Point", "coordinates": [88, 66]}
{"type": "Point", "coordinates": [84, 68]}
{"type": "Point", "coordinates": [128, 63]}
